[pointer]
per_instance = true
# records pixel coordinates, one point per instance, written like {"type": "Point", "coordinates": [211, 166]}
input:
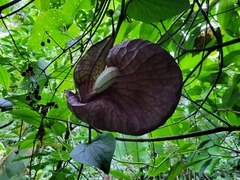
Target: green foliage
{"type": "Point", "coordinates": [155, 10]}
{"type": "Point", "coordinates": [40, 44]}
{"type": "Point", "coordinates": [98, 153]}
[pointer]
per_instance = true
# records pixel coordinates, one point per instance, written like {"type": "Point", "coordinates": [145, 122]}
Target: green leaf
{"type": "Point", "coordinates": [120, 175]}
{"type": "Point", "coordinates": [62, 112]}
{"type": "Point", "coordinates": [19, 100]}
{"type": "Point", "coordinates": [230, 96]}
{"type": "Point", "coordinates": [29, 116]}
{"type": "Point", "coordinates": [228, 18]}
{"type": "Point", "coordinates": [223, 79]}
{"type": "Point", "coordinates": [69, 10]}
{"type": "Point", "coordinates": [175, 170]}
{"type": "Point", "coordinates": [54, 23]}
{"type": "Point", "coordinates": [42, 5]}
{"type": "Point", "coordinates": [233, 119]}
{"type": "Point", "coordinates": [4, 77]}
{"type": "Point", "coordinates": [58, 176]}
{"type": "Point", "coordinates": [186, 147]}
{"type": "Point", "coordinates": [58, 128]}
{"type": "Point", "coordinates": [149, 32]}
{"type": "Point", "coordinates": [99, 153]}
{"type": "Point", "coordinates": [232, 58]}
{"type": "Point", "coordinates": [158, 165]}
{"type": "Point", "coordinates": [204, 166]}
{"type": "Point", "coordinates": [5, 104]}
{"type": "Point", "coordinates": [60, 155]}
{"type": "Point", "coordinates": [14, 170]}
{"type": "Point", "coordinates": [196, 90]}
{"type": "Point", "coordinates": [203, 143]}
{"type": "Point", "coordinates": [26, 144]}
{"type": "Point", "coordinates": [155, 10]}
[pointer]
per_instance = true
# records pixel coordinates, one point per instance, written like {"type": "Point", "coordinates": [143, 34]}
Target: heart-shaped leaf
{"type": "Point", "coordinates": [99, 153]}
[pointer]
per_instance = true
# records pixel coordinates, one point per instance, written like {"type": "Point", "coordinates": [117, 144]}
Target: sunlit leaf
{"type": "Point", "coordinates": [4, 77]}
{"type": "Point", "coordinates": [42, 5]}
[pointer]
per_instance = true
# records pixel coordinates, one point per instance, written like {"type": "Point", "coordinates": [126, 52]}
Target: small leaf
{"type": "Point", "coordinates": [4, 77]}
{"type": "Point", "coordinates": [99, 153]}
{"type": "Point", "coordinates": [155, 10]}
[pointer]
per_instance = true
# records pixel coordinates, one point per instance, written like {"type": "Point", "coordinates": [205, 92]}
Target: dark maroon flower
{"type": "Point", "coordinates": [139, 99]}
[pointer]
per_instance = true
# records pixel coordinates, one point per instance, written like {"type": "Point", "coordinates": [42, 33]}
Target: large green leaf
{"type": "Point", "coordinates": [69, 10]}
{"type": "Point", "coordinates": [99, 153]}
{"type": "Point", "coordinates": [228, 18]}
{"type": "Point", "coordinates": [4, 77]}
{"type": "Point", "coordinates": [230, 96]}
{"type": "Point", "coordinates": [52, 22]}
{"type": "Point", "coordinates": [29, 116]}
{"type": "Point", "coordinates": [155, 10]}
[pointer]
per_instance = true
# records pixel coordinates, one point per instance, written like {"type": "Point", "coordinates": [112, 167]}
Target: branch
{"type": "Point", "coordinates": [11, 3]}
{"type": "Point", "coordinates": [182, 136]}
{"type": "Point", "coordinates": [5, 6]}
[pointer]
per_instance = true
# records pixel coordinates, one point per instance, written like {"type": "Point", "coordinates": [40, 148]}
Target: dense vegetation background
{"type": "Point", "coordinates": [42, 40]}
